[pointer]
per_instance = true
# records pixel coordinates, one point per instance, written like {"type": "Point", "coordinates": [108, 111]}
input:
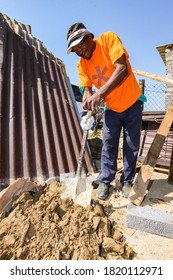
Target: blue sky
{"type": "Point", "coordinates": [141, 25]}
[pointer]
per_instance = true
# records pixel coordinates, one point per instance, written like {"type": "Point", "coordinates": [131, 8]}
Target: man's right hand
{"type": "Point", "coordinates": [92, 102]}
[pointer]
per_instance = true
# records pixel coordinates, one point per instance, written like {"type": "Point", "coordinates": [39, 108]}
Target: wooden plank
{"type": "Point", "coordinates": [16, 188]}
{"type": "Point", "coordinates": [141, 183]}
{"type": "Point", "coordinates": [153, 77]}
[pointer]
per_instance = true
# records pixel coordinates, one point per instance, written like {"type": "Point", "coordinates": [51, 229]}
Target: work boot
{"type": "Point", "coordinates": [102, 191]}
{"type": "Point", "coordinates": [126, 189]}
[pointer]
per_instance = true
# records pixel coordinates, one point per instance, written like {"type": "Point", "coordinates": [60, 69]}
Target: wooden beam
{"type": "Point", "coordinates": [153, 77]}
{"type": "Point", "coordinates": [141, 183]}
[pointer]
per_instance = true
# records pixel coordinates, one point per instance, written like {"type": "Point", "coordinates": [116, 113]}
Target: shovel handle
{"type": "Point", "coordinates": [88, 115]}
{"type": "Point", "coordinates": [83, 144]}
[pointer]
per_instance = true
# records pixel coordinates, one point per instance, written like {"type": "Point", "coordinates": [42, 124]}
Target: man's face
{"type": "Point", "coordinates": [85, 48]}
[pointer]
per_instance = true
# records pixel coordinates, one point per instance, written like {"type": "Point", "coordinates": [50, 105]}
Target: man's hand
{"type": "Point", "coordinates": [92, 102]}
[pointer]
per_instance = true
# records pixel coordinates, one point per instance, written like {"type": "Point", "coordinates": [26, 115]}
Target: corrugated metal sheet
{"type": "Point", "coordinates": [40, 134]}
{"type": "Point", "coordinates": [161, 50]}
{"type": "Point", "coordinates": [150, 124]}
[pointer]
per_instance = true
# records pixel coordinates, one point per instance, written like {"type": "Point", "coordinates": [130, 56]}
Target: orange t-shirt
{"type": "Point", "coordinates": [100, 67]}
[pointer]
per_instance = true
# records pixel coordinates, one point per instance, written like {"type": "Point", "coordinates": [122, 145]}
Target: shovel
{"type": "Point", "coordinates": [79, 188]}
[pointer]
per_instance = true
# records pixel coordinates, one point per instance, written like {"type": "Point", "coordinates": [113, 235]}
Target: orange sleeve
{"type": "Point", "coordinates": [84, 80]}
{"type": "Point", "coordinates": [113, 46]}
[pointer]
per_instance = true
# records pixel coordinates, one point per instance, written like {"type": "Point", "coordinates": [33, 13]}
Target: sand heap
{"type": "Point", "coordinates": [42, 226]}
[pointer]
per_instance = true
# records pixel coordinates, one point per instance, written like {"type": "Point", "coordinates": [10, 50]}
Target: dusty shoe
{"type": "Point", "coordinates": [126, 189]}
{"type": "Point", "coordinates": [102, 191]}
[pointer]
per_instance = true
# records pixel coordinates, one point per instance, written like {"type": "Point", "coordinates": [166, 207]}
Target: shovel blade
{"type": "Point", "coordinates": [79, 189]}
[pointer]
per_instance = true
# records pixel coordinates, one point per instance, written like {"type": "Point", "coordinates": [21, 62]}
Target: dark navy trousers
{"type": "Point", "coordinates": [129, 122]}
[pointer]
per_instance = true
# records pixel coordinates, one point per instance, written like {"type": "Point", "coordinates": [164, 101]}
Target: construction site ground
{"type": "Point", "coordinates": [41, 226]}
{"type": "Point", "coordinates": [147, 246]}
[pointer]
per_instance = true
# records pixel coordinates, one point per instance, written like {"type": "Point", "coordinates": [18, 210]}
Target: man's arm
{"type": "Point", "coordinates": [121, 71]}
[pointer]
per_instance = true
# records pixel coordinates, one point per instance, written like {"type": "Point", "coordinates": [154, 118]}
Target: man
{"type": "Point", "coordinates": [104, 64]}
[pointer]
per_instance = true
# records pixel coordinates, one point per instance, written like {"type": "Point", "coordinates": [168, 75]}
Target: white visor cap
{"type": "Point", "coordinates": [76, 37]}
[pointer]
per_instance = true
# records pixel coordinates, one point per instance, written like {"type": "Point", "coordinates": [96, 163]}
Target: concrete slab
{"type": "Point", "coordinates": [150, 220]}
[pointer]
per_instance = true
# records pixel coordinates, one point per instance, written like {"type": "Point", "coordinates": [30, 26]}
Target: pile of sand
{"type": "Point", "coordinates": [42, 226]}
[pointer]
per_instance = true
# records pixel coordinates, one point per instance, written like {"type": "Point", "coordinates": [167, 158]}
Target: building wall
{"type": "Point", "coordinates": [169, 73]}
